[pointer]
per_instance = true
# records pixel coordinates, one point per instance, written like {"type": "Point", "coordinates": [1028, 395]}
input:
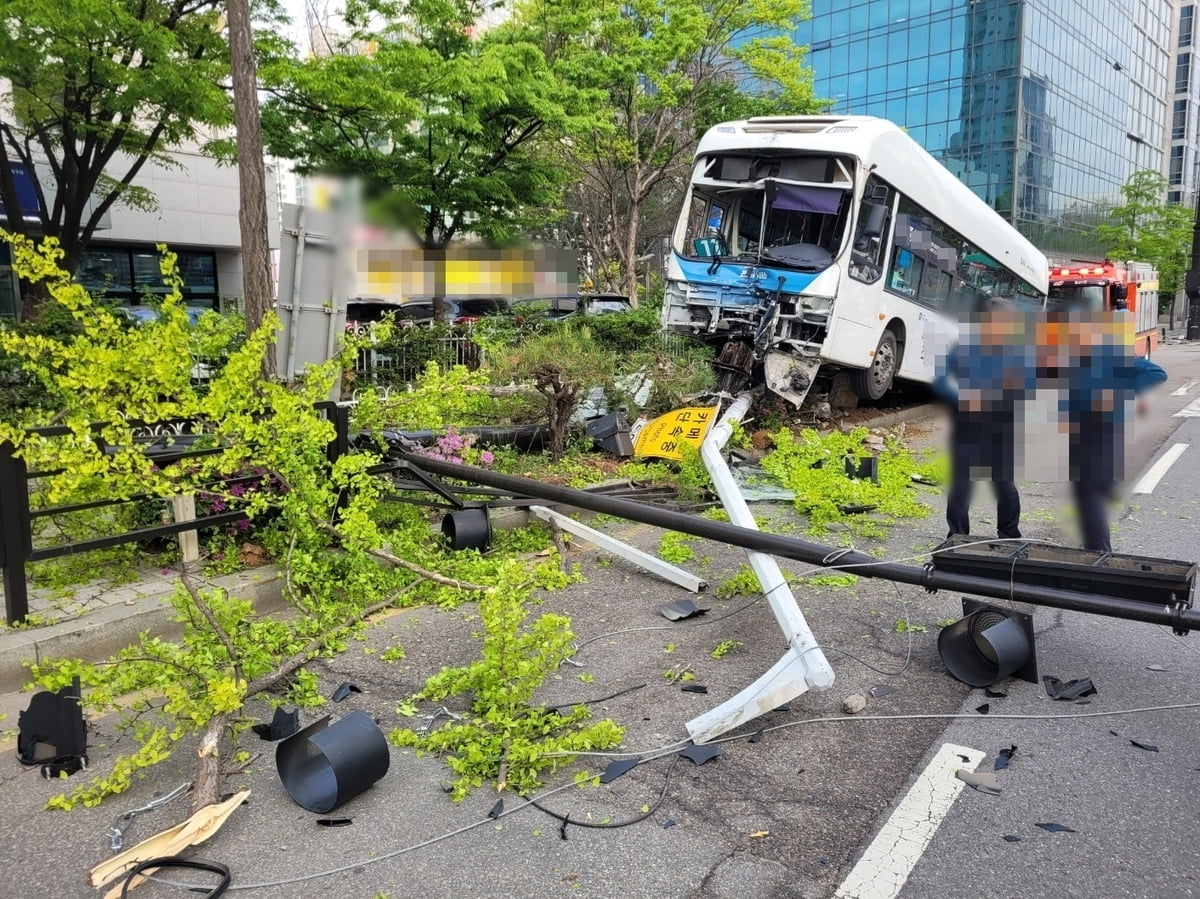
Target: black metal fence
{"type": "Point", "coordinates": [165, 442]}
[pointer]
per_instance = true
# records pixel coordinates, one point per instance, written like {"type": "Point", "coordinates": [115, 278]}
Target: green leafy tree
{"type": "Point", "coordinates": [667, 69]}
{"type": "Point", "coordinates": [194, 688]}
{"type": "Point", "coordinates": [1148, 229]}
{"type": "Point", "coordinates": [439, 122]}
{"type": "Point", "coordinates": [98, 88]}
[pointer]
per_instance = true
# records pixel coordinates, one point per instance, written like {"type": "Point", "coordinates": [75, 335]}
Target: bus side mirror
{"type": "Point", "coordinates": [876, 220]}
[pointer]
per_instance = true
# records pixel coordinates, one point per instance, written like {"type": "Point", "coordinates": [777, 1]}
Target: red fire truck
{"type": "Point", "coordinates": [1105, 286]}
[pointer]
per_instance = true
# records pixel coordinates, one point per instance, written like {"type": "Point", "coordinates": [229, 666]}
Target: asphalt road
{"type": "Point", "coordinates": [785, 816]}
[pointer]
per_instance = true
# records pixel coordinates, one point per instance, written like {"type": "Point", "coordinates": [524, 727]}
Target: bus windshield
{"type": "Point", "coordinates": [740, 211]}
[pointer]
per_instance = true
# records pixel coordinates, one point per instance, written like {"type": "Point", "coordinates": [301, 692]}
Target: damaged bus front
{"type": "Point", "coordinates": [810, 246]}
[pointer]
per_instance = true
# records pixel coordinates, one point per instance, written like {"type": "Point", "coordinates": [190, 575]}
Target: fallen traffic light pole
{"type": "Point", "coordinates": [804, 666]}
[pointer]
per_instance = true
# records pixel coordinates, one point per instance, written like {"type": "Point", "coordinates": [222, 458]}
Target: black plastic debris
{"type": "Point", "coordinates": [694, 688]}
{"type": "Point", "coordinates": [344, 690]}
{"type": "Point", "coordinates": [335, 822]}
{"type": "Point", "coordinates": [1149, 747]}
{"type": "Point", "coordinates": [1004, 757]}
{"type": "Point", "coordinates": [1072, 689]}
{"type": "Point", "coordinates": [786, 707]}
{"type": "Point", "coordinates": [670, 822]}
{"type": "Point", "coordinates": [984, 709]}
{"type": "Point", "coordinates": [698, 755]}
{"type": "Point", "coordinates": [616, 769]}
{"type": "Point", "coordinates": [757, 736]}
{"type": "Point", "coordinates": [856, 508]}
{"type": "Point", "coordinates": [964, 758]}
{"type": "Point", "coordinates": [994, 694]}
{"type": "Point", "coordinates": [983, 782]}
{"type": "Point", "coordinates": [325, 765]}
{"type": "Point", "coordinates": [864, 468]}
{"type": "Point", "coordinates": [611, 434]}
{"type": "Point", "coordinates": [680, 609]}
{"type": "Point", "coordinates": [881, 690]}
{"type": "Point", "coordinates": [1055, 827]}
{"type": "Point", "coordinates": [282, 726]}
{"type": "Point", "coordinates": [1157, 668]}
{"type": "Point", "coordinates": [497, 810]}
{"type": "Point", "coordinates": [51, 732]}
{"type": "Point", "coordinates": [1011, 838]}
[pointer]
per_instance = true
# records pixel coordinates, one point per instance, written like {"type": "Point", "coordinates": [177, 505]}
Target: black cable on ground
{"type": "Point", "coordinates": [566, 819]}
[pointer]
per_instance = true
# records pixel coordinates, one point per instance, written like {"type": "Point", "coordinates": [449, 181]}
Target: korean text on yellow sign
{"type": "Point", "coordinates": [664, 436]}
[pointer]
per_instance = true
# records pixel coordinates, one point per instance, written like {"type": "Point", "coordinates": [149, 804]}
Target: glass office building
{"type": "Point", "coordinates": [1043, 107]}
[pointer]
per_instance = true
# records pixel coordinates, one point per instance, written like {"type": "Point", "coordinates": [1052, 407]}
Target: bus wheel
{"type": "Point", "coordinates": [872, 383]}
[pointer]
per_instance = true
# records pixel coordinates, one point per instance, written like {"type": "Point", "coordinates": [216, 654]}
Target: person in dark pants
{"type": "Point", "coordinates": [984, 379]}
{"type": "Point", "coordinates": [1102, 381]}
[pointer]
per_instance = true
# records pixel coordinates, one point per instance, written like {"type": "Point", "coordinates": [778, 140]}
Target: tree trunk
{"type": "Point", "coordinates": [257, 285]}
{"type": "Point", "coordinates": [630, 254]}
{"type": "Point", "coordinates": [206, 785]}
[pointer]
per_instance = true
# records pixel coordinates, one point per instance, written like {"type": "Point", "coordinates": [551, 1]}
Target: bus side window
{"type": "Point", "coordinates": [905, 275]}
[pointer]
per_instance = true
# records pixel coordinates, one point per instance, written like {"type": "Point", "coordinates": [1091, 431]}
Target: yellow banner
{"type": "Point", "coordinates": [664, 436]}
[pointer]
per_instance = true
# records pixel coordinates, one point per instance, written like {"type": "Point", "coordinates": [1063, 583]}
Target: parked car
{"type": "Point", "coordinates": [362, 313]}
{"type": "Point", "coordinates": [561, 307]}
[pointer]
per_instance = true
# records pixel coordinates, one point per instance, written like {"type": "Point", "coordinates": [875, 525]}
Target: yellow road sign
{"type": "Point", "coordinates": [664, 436]}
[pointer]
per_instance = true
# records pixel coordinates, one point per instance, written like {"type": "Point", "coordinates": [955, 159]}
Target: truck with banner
{"type": "Point", "coordinates": [1107, 286]}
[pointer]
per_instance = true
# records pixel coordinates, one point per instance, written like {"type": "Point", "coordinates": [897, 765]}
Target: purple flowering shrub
{"type": "Point", "coordinates": [455, 447]}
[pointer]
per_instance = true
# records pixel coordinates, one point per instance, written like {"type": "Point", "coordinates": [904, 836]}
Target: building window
{"type": "Point", "coordinates": [1175, 171]}
{"type": "Point", "coordinates": [1186, 17]}
{"type": "Point", "coordinates": [1179, 120]}
{"type": "Point", "coordinates": [1183, 71]}
{"type": "Point", "coordinates": [133, 275]}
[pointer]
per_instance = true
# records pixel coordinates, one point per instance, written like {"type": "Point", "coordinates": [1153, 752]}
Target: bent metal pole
{"type": "Point", "coordinates": [1181, 619]}
{"type": "Point", "coordinates": [803, 665]}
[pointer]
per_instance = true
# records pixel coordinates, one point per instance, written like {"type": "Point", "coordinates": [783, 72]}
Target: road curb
{"type": "Point", "coordinates": [100, 633]}
{"type": "Point", "coordinates": [913, 413]}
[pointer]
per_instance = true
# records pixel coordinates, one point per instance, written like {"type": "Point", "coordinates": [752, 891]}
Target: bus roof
{"type": "Point", "coordinates": [899, 160]}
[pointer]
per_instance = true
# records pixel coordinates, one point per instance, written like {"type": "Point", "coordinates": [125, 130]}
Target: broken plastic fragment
{"type": "Point", "coordinates": [1073, 689]}
{"type": "Point", "coordinates": [282, 726]}
{"type": "Point", "coordinates": [698, 755]}
{"type": "Point", "coordinates": [984, 709]}
{"type": "Point", "coordinates": [335, 822]}
{"type": "Point", "coordinates": [1011, 838]}
{"type": "Point", "coordinates": [757, 736]}
{"type": "Point", "coordinates": [856, 508]}
{"type": "Point", "coordinates": [680, 609]}
{"type": "Point", "coordinates": [670, 822]}
{"type": "Point", "coordinates": [984, 782]}
{"type": "Point", "coordinates": [1149, 747]}
{"type": "Point", "coordinates": [994, 694]}
{"type": "Point", "coordinates": [344, 690]}
{"type": "Point", "coordinates": [497, 809]}
{"type": "Point", "coordinates": [694, 688]}
{"type": "Point", "coordinates": [1004, 757]}
{"type": "Point", "coordinates": [1054, 827]}
{"type": "Point", "coordinates": [881, 690]}
{"type": "Point", "coordinates": [1156, 668]}
{"type": "Point", "coordinates": [616, 769]}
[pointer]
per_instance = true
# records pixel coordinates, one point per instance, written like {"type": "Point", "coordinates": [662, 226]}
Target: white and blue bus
{"type": "Point", "coordinates": [815, 245]}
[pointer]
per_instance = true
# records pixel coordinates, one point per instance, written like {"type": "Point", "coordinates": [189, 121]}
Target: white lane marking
{"type": "Point", "coordinates": [1151, 478]}
{"type": "Point", "coordinates": [1185, 389]}
{"type": "Point", "coordinates": [1191, 410]}
{"type": "Point", "coordinates": [885, 866]}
